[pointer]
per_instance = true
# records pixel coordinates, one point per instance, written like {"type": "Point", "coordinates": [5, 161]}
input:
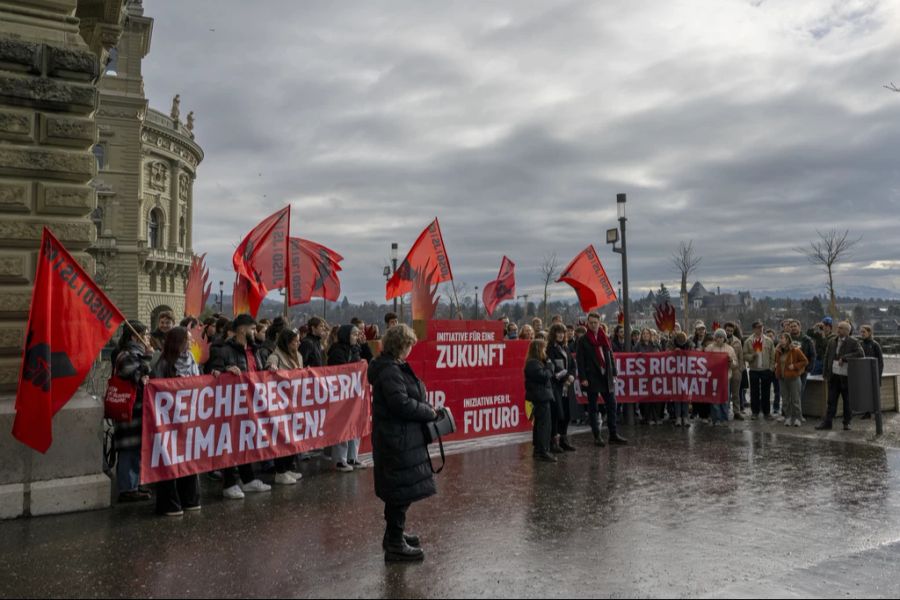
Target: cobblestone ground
{"type": "Point", "coordinates": [750, 510]}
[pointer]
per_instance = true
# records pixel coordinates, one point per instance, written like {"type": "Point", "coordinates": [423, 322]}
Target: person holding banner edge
{"type": "Point", "coordinates": [131, 361]}
{"type": "Point", "coordinates": [402, 471]}
{"type": "Point", "coordinates": [597, 369]}
{"type": "Point", "coordinates": [175, 496]}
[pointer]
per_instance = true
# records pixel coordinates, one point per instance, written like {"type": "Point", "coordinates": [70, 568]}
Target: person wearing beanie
{"type": "Point", "coordinates": [821, 333]}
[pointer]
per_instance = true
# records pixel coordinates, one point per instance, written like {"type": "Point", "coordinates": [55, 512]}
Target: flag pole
{"type": "Point", "coordinates": [456, 298]}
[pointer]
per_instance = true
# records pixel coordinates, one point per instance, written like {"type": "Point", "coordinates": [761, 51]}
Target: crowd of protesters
{"type": "Point", "coordinates": [236, 346]}
{"type": "Point", "coordinates": [562, 361]}
{"type": "Point", "coordinates": [773, 366]}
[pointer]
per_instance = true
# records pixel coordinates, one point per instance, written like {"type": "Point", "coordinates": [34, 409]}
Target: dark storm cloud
{"type": "Point", "coordinates": [742, 125]}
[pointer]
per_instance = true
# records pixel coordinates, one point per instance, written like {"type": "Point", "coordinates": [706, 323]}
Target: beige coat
{"type": "Point", "coordinates": [283, 361]}
{"type": "Point", "coordinates": [732, 356]}
{"type": "Point", "coordinates": [759, 361]}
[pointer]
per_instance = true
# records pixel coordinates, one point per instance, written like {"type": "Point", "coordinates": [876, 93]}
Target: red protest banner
{"type": "Point", "coordinates": [698, 377]}
{"type": "Point", "coordinates": [468, 367]}
{"type": "Point", "coordinates": [199, 424]}
{"type": "Point", "coordinates": [69, 322]}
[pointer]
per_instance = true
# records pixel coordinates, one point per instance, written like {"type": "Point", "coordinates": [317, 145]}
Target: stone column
{"type": "Point", "coordinates": [48, 95]}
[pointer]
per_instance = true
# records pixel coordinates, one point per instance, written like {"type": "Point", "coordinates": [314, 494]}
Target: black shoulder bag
{"type": "Point", "coordinates": [437, 429]}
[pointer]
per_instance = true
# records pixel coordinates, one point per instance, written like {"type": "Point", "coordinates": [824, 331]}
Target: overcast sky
{"type": "Point", "coordinates": [743, 125]}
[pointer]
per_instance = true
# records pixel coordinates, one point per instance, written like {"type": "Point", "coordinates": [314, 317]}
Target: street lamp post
{"type": "Point", "coordinates": [394, 263]}
{"type": "Point", "coordinates": [612, 236]}
{"type": "Point", "coordinates": [476, 302]}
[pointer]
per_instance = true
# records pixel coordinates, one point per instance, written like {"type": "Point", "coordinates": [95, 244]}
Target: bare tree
{"type": "Point", "coordinates": [686, 262]}
{"type": "Point", "coordinates": [831, 248]}
{"type": "Point", "coordinates": [550, 273]}
{"type": "Point", "coordinates": [893, 87]}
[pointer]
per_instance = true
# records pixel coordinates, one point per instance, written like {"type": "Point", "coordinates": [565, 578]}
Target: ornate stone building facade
{"type": "Point", "coordinates": [147, 164]}
{"type": "Point", "coordinates": [50, 57]}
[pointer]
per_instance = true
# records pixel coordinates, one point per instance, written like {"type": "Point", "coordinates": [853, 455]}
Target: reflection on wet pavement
{"type": "Point", "coordinates": [725, 512]}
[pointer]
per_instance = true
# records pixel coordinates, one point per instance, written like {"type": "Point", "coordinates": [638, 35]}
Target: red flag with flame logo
{"type": "Point", "coordinates": [502, 288]}
{"type": "Point", "coordinates": [314, 272]}
{"type": "Point", "coordinates": [70, 321]}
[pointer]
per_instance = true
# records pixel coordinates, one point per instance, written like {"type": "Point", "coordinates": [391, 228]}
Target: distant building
{"type": "Point", "coordinates": [146, 166]}
{"type": "Point", "coordinates": [700, 298]}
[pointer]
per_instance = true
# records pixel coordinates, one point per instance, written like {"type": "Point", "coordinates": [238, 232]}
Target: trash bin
{"type": "Point", "coordinates": [863, 382]}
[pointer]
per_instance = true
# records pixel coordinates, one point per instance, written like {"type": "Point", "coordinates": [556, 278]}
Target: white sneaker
{"type": "Point", "coordinates": [796, 422]}
{"type": "Point", "coordinates": [256, 486]}
{"type": "Point", "coordinates": [284, 479]}
{"type": "Point", "coordinates": [295, 475]}
{"type": "Point", "coordinates": [233, 493]}
{"type": "Point", "coordinates": [343, 467]}
{"type": "Point", "coordinates": [787, 422]}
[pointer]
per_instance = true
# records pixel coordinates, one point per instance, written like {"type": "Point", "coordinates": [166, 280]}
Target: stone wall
{"type": "Point", "coordinates": [48, 96]}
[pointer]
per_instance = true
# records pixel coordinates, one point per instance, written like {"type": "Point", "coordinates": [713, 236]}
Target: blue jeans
{"type": "Point", "coordinates": [128, 470]}
{"type": "Point", "coordinates": [818, 367]}
{"type": "Point", "coordinates": [720, 413]}
{"type": "Point", "coordinates": [345, 451]}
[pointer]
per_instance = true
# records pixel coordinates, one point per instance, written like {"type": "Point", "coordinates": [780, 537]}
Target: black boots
{"type": "Point", "coordinates": [824, 426]}
{"type": "Point", "coordinates": [403, 552]}
{"type": "Point", "coordinates": [565, 445]}
{"type": "Point", "coordinates": [411, 540]}
{"type": "Point", "coordinates": [598, 441]}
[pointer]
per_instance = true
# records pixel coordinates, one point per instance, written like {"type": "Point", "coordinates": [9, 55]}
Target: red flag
{"type": "Point", "coordinates": [197, 290]}
{"type": "Point", "coordinates": [502, 288]}
{"type": "Point", "coordinates": [262, 257]}
{"type": "Point", "coordinates": [314, 272]}
{"type": "Point", "coordinates": [428, 249]}
{"type": "Point", "coordinates": [586, 274]}
{"type": "Point", "coordinates": [69, 322]}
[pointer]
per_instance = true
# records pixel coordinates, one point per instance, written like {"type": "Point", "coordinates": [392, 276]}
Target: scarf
{"type": "Point", "coordinates": [599, 341]}
{"type": "Point", "coordinates": [186, 366]}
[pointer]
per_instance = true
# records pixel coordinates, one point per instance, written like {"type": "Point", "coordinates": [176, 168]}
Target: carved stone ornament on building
{"type": "Point", "coordinates": [158, 175]}
{"type": "Point", "coordinates": [184, 187]}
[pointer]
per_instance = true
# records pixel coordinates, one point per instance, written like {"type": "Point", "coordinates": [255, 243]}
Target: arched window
{"type": "Point", "coordinates": [154, 229]}
{"type": "Point", "coordinates": [182, 233]}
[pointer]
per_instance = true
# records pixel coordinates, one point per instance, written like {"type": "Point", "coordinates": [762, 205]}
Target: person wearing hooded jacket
{"type": "Point", "coordinates": [345, 351]}
{"type": "Point", "coordinates": [564, 376]}
{"type": "Point", "coordinates": [402, 470]}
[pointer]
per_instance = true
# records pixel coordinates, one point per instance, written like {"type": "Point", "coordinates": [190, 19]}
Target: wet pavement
{"type": "Point", "coordinates": [748, 511]}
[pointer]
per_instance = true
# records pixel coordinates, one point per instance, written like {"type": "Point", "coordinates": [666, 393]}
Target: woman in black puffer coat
{"type": "Point", "coordinates": [539, 391]}
{"type": "Point", "coordinates": [402, 465]}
